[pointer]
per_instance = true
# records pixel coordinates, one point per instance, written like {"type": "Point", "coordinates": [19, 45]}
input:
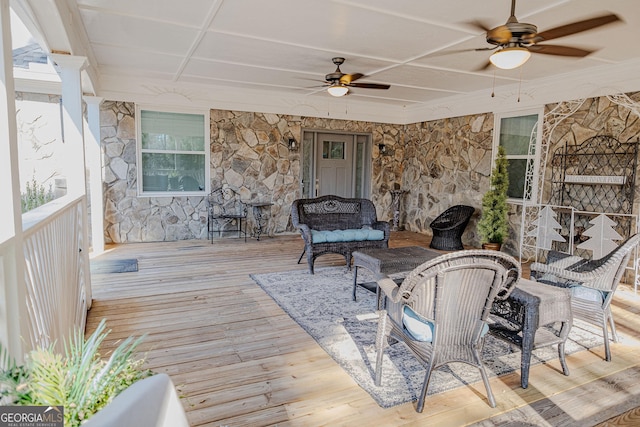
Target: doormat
{"type": "Point", "coordinates": [114, 266]}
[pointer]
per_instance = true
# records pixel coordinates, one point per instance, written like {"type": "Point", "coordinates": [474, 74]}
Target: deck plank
{"type": "Point", "coordinates": [238, 360]}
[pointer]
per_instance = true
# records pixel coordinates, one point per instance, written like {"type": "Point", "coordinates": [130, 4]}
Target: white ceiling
{"type": "Point", "coordinates": [273, 55]}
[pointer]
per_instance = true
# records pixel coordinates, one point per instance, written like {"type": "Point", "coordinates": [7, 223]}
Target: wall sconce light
{"type": "Point", "coordinates": [293, 145]}
{"type": "Point", "coordinates": [382, 148]}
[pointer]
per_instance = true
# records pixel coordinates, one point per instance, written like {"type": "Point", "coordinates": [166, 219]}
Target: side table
{"type": "Point", "coordinates": [529, 307]}
{"type": "Point", "coordinates": [259, 217]}
{"type": "Point", "coordinates": [388, 261]}
{"type": "Point", "coordinates": [395, 203]}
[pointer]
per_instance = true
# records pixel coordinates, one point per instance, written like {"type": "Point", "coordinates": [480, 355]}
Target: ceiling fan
{"type": "Point", "coordinates": [515, 41]}
{"type": "Point", "coordinates": [339, 82]}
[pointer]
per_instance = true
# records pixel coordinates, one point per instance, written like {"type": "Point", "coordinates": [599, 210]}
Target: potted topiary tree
{"type": "Point", "coordinates": [493, 226]}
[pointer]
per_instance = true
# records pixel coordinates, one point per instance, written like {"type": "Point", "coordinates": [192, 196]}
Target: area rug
{"type": "Point", "coordinates": [321, 304]}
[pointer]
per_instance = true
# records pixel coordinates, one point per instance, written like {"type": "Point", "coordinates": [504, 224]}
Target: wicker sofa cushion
{"type": "Point", "coordinates": [350, 235]}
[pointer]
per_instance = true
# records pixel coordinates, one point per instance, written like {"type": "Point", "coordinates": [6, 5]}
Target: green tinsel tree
{"type": "Point", "coordinates": [493, 226]}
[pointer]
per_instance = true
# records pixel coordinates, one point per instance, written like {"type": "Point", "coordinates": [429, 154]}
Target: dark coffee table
{"type": "Point", "coordinates": [388, 261]}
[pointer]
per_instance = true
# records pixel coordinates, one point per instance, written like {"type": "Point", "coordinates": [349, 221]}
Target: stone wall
{"type": "Point", "coordinates": [129, 218]}
{"type": "Point", "coordinates": [448, 162]}
{"type": "Point", "coordinates": [439, 163]}
{"type": "Point", "coordinates": [249, 153]}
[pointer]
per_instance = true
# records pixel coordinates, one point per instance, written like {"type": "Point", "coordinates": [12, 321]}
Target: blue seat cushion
{"type": "Point", "coordinates": [350, 235]}
{"type": "Point", "coordinates": [420, 328]}
{"type": "Point", "coordinates": [588, 294]}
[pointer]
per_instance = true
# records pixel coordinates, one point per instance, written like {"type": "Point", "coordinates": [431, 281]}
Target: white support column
{"type": "Point", "coordinates": [69, 68]}
{"type": "Point", "coordinates": [13, 308]}
{"type": "Point", "coordinates": [93, 155]}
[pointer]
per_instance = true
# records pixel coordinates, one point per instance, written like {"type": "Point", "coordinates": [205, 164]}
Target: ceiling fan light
{"type": "Point", "coordinates": [337, 90]}
{"type": "Point", "coordinates": [510, 57]}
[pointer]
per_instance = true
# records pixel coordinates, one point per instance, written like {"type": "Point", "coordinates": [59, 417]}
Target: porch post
{"type": "Point", "coordinates": [69, 68]}
{"type": "Point", "coordinates": [94, 166]}
{"type": "Point", "coordinates": [13, 309]}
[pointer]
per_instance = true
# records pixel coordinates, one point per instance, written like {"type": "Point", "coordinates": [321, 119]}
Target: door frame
{"type": "Point", "coordinates": [361, 167]}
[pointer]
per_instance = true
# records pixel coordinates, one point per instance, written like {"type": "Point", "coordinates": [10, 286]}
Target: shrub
{"type": "Point", "coordinates": [35, 195]}
{"type": "Point", "coordinates": [80, 380]}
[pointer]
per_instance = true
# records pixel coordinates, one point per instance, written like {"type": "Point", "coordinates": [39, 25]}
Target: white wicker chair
{"type": "Point", "coordinates": [592, 283]}
{"type": "Point", "coordinates": [452, 296]}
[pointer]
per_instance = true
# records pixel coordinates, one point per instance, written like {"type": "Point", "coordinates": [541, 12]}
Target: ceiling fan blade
{"type": "Point", "coordinates": [573, 28]}
{"type": "Point", "coordinates": [480, 49]}
{"type": "Point", "coordinates": [479, 25]}
{"type": "Point", "coordinates": [484, 66]}
{"type": "Point", "coordinates": [348, 78]}
{"type": "Point", "coordinates": [500, 34]}
{"type": "Point", "coordinates": [370, 85]}
{"type": "Point", "coordinates": [560, 50]}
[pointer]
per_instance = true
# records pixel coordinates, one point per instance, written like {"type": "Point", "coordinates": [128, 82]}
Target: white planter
{"type": "Point", "coordinates": [152, 402]}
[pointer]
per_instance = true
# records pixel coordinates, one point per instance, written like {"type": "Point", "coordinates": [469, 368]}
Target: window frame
{"type": "Point", "coordinates": [139, 150]}
{"type": "Point", "coordinates": [539, 111]}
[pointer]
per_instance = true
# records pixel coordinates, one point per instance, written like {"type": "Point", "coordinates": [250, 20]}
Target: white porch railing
{"type": "Point", "coordinates": [57, 277]}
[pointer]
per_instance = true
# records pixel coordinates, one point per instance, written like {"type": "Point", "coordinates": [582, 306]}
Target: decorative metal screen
{"type": "Point", "coordinates": [597, 176]}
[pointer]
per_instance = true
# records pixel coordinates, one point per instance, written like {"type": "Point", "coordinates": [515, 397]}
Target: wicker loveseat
{"type": "Point", "coordinates": [332, 224]}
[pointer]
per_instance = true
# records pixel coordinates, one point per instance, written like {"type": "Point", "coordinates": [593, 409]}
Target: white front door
{"type": "Point", "coordinates": [334, 165]}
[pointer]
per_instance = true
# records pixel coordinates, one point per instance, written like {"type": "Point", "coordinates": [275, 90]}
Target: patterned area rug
{"type": "Point", "coordinates": [321, 304]}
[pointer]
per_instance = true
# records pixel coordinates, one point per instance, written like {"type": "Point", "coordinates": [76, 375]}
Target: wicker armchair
{"type": "Point", "coordinates": [592, 283]}
{"type": "Point", "coordinates": [440, 310]}
{"type": "Point", "coordinates": [449, 226]}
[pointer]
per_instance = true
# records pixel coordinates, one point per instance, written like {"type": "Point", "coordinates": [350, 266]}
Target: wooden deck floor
{"type": "Point", "coordinates": [239, 360]}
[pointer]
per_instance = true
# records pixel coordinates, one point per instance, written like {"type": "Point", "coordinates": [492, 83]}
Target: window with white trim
{"type": "Point", "coordinates": [173, 152]}
{"type": "Point", "coordinates": [514, 131]}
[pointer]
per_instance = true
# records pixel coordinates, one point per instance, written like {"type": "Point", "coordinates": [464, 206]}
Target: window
{"type": "Point", "coordinates": [333, 150]}
{"type": "Point", "coordinates": [173, 152]}
{"type": "Point", "coordinates": [514, 134]}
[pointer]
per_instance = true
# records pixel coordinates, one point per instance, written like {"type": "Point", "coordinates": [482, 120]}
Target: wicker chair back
{"type": "Point", "coordinates": [453, 293]}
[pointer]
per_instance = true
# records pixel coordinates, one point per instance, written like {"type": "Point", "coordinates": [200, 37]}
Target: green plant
{"type": "Point", "coordinates": [493, 226]}
{"type": "Point", "coordinates": [35, 195]}
{"type": "Point", "coordinates": [80, 380]}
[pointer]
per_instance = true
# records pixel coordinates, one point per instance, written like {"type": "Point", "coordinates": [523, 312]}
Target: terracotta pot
{"type": "Point", "coordinates": [491, 246]}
